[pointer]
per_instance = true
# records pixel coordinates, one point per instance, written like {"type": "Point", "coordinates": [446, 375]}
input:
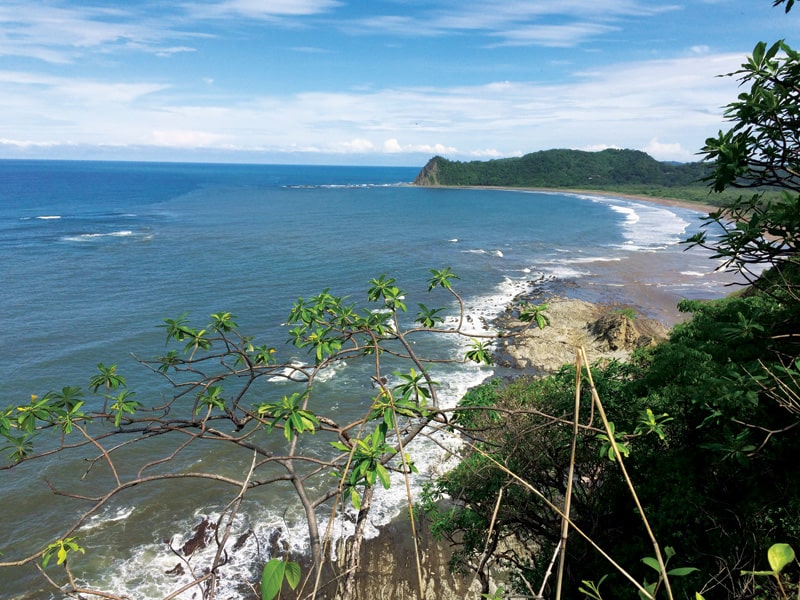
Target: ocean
{"type": "Point", "coordinates": [96, 254]}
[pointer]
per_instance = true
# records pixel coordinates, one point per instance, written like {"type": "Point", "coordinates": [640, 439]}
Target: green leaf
{"type": "Point", "coordinates": [652, 563]}
{"type": "Point", "coordinates": [780, 555]}
{"type": "Point", "coordinates": [681, 571]}
{"type": "Point", "coordinates": [383, 475]}
{"type": "Point", "coordinates": [292, 574]}
{"type": "Point", "coordinates": [272, 578]}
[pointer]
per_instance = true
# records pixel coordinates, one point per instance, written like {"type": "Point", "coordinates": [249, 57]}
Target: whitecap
{"type": "Point", "coordinates": [99, 237]}
{"type": "Point", "coordinates": [109, 516]}
{"type": "Point", "coordinates": [292, 372]}
{"type": "Point", "coordinates": [647, 226]}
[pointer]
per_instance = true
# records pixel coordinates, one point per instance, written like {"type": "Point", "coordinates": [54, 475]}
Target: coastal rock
{"type": "Point", "coordinates": [388, 569]}
{"type": "Point", "coordinates": [621, 332]}
{"type": "Point", "coordinates": [429, 175]}
{"type": "Point", "coordinates": [603, 332]}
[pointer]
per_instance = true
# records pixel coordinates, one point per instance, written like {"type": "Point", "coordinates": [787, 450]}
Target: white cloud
{"type": "Point", "coordinates": [26, 144]}
{"type": "Point", "coordinates": [669, 151]}
{"type": "Point", "coordinates": [62, 34]}
{"type": "Point", "coordinates": [392, 146]}
{"type": "Point", "coordinates": [634, 105]}
{"type": "Point", "coordinates": [259, 9]}
{"type": "Point", "coordinates": [564, 36]}
{"type": "Point", "coordinates": [565, 23]}
{"type": "Point", "coordinates": [186, 139]}
{"type": "Point", "coordinates": [174, 50]}
{"type": "Point", "coordinates": [598, 148]}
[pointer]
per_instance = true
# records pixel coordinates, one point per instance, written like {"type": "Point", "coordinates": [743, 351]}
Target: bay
{"type": "Point", "coordinates": [95, 255]}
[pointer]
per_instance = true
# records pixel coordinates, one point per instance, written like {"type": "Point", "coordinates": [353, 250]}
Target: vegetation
{"type": "Point", "coordinates": [621, 171]}
{"type": "Point", "coordinates": [671, 475]}
{"type": "Point", "coordinates": [706, 423]}
{"type": "Point", "coordinates": [618, 170]}
{"type": "Point", "coordinates": [565, 168]}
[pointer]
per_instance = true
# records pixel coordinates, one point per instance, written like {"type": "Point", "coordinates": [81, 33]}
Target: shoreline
{"type": "Point", "coordinates": [675, 202]}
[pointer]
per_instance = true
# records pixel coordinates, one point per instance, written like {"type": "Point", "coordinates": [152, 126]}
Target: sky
{"type": "Point", "coordinates": [370, 82]}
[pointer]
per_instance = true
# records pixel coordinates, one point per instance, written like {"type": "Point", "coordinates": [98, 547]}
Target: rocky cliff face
{"type": "Point", "coordinates": [429, 175]}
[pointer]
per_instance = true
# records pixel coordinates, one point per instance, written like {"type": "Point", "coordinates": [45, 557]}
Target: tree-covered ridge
{"type": "Point", "coordinates": [565, 168]}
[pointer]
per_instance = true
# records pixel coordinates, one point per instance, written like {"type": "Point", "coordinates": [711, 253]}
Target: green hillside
{"type": "Point", "coordinates": [565, 169]}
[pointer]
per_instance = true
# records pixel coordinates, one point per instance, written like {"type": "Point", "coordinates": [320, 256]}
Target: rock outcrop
{"type": "Point", "coordinates": [429, 175]}
{"type": "Point", "coordinates": [603, 332]}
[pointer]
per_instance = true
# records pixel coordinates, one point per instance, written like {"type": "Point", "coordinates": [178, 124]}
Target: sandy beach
{"type": "Point", "coordinates": [688, 204]}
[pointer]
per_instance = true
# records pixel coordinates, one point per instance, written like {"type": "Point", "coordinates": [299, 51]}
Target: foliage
{"type": "Point", "coordinates": [565, 169]}
{"type": "Point", "coordinates": [275, 572]}
{"type": "Point", "coordinates": [697, 422]}
{"type": "Point", "coordinates": [61, 550]}
{"type": "Point", "coordinates": [706, 423]}
{"type": "Point", "coordinates": [760, 151]}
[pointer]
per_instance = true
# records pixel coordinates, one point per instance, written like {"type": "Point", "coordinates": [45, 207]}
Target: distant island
{"type": "Point", "coordinates": [625, 171]}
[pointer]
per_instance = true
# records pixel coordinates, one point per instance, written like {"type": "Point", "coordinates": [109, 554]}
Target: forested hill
{"type": "Point", "coordinates": [565, 169]}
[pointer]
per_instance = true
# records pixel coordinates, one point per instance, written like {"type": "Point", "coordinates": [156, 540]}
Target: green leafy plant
{"type": "Point", "coordinates": [590, 589]}
{"type": "Point", "coordinates": [289, 411]}
{"type": "Point", "coordinates": [275, 573]}
{"type": "Point", "coordinates": [627, 312]}
{"type": "Point", "coordinates": [607, 448]}
{"type": "Point", "coordinates": [652, 588]}
{"type": "Point", "coordinates": [779, 556]}
{"type": "Point", "coordinates": [61, 549]}
{"type": "Point", "coordinates": [530, 313]}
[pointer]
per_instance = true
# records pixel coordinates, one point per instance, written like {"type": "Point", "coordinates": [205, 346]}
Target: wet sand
{"type": "Point", "coordinates": [698, 206]}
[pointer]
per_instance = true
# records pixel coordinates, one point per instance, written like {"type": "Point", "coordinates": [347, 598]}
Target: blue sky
{"type": "Point", "coordinates": [369, 81]}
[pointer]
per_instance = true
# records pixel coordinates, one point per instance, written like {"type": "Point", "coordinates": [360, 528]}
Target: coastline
{"type": "Point", "coordinates": [675, 202]}
{"type": "Point", "coordinates": [387, 566]}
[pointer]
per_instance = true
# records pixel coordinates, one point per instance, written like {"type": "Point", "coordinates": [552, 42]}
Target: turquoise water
{"type": "Point", "coordinates": [95, 255]}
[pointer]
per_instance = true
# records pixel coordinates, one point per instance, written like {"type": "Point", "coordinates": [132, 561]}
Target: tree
{"type": "Point", "coordinates": [222, 394]}
{"type": "Point", "coordinates": [760, 152]}
{"type": "Point", "coordinates": [706, 421]}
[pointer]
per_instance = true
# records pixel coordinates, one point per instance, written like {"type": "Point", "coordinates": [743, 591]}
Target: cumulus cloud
{"type": "Point", "coordinates": [667, 149]}
{"type": "Point", "coordinates": [393, 146]}
{"type": "Point", "coordinates": [358, 146]}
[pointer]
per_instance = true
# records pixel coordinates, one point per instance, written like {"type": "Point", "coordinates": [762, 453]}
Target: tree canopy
{"type": "Point", "coordinates": [564, 169]}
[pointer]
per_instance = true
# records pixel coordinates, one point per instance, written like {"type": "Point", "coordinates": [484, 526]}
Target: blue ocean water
{"type": "Point", "coordinates": [95, 255]}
